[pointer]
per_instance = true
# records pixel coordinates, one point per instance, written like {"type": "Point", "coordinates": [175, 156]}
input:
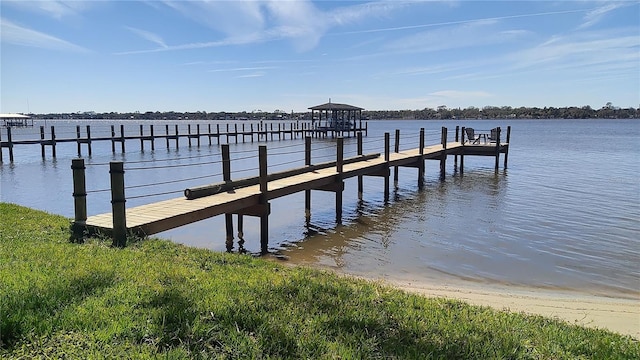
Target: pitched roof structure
{"type": "Point", "coordinates": [335, 106]}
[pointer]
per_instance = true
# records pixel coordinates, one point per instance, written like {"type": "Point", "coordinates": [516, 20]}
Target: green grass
{"type": "Point", "coordinates": [157, 299]}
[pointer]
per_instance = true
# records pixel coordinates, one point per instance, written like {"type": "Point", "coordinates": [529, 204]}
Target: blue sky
{"type": "Point", "coordinates": [69, 56]}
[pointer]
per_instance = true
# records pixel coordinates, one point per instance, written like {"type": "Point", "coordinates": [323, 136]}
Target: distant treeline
{"type": "Point", "coordinates": [442, 112]}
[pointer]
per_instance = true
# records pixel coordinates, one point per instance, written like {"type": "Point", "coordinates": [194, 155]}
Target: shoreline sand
{"type": "Point", "coordinates": [621, 315]}
{"type": "Point", "coordinates": [615, 314]}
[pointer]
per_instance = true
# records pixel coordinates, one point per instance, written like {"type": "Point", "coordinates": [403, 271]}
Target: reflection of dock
{"type": "Point", "coordinates": [149, 135]}
{"type": "Point", "coordinates": [251, 196]}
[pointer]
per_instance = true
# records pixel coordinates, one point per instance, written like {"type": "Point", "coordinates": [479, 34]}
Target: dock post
{"type": "Point", "coordinates": [421, 163]}
{"type": "Point", "coordinates": [1, 160]}
{"type": "Point", "coordinates": [307, 193]}
{"type": "Point", "coordinates": [198, 134]}
{"type": "Point", "coordinates": [339, 168]}
{"type": "Point", "coordinates": [10, 143]}
{"type": "Point", "coordinates": [396, 149]}
{"type": "Point", "coordinates": [153, 139]}
{"type": "Point", "coordinates": [118, 212]}
{"type": "Point", "coordinates": [89, 138]}
{"type": "Point", "coordinates": [189, 134]}
{"type": "Point", "coordinates": [506, 152]}
{"type": "Point", "coordinates": [218, 133]}
{"type": "Point", "coordinates": [113, 143]}
{"type": "Point", "coordinates": [122, 138]}
{"type": "Point", "coordinates": [386, 170]}
{"type": "Point", "coordinates": [360, 184]}
{"type": "Point", "coordinates": [78, 140]}
{"type": "Point", "coordinates": [240, 233]}
{"type": "Point", "coordinates": [79, 199]}
{"type": "Point", "coordinates": [53, 143]}
{"type": "Point", "coordinates": [443, 157]}
{"type": "Point", "coordinates": [177, 137]}
{"type": "Point", "coordinates": [141, 138]}
{"type": "Point", "coordinates": [226, 176]}
{"type": "Point", "coordinates": [462, 132]}
{"type": "Point", "coordinates": [235, 132]}
{"type": "Point", "coordinates": [264, 217]}
{"type": "Point", "coordinates": [41, 141]}
{"type": "Point", "coordinates": [166, 134]}
{"type": "Point", "coordinates": [209, 133]}
{"type": "Point", "coordinates": [497, 148]}
{"type": "Point", "coordinates": [455, 157]}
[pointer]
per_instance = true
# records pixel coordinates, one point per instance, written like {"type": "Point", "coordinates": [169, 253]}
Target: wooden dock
{"type": "Point", "coordinates": [244, 132]}
{"type": "Point", "coordinates": [251, 196]}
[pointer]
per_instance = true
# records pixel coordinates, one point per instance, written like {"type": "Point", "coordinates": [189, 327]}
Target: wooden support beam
{"type": "Point", "coordinates": [116, 170]}
{"type": "Point", "coordinates": [264, 193]}
{"type": "Point", "coordinates": [506, 151]}
{"type": "Point", "coordinates": [386, 159]}
{"type": "Point", "coordinates": [79, 198]}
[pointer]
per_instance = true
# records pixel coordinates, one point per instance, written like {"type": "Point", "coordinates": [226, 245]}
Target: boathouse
{"type": "Point", "coordinates": [334, 116]}
{"type": "Point", "coordinates": [16, 120]}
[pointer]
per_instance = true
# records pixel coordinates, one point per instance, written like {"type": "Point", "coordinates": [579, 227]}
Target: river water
{"type": "Point", "coordinates": [564, 215]}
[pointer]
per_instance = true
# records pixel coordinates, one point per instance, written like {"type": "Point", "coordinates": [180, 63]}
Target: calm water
{"type": "Point", "coordinates": [564, 215]}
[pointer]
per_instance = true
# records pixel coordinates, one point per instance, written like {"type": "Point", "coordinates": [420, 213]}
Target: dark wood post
{"type": "Point", "coordinates": [89, 138]}
{"type": "Point", "coordinates": [118, 211]}
{"type": "Point", "coordinates": [141, 138]}
{"type": "Point", "coordinates": [506, 152]}
{"type": "Point", "coordinates": [79, 198]}
{"type": "Point", "coordinates": [218, 133]}
{"type": "Point", "coordinates": [396, 149]}
{"type": "Point", "coordinates": [113, 138]}
{"type": "Point", "coordinates": [166, 134]}
{"type": "Point", "coordinates": [252, 133]}
{"type": "Point", "coordinates": [78, 139]}
{"type": "Point", "coordinates": [235, 132]}
{"type": "Point", "coordinates": [264, 217]}
{"type": "Point", "coordinates": [307, 193]}
{"type": "Point", "coordinates": [189, 134]}
{"type": "Point", "coordinates": [497, 148]}
{"type": "Point", "coordinates": [443, 157]}
{"type": "Point", "coordinates": [421, 163]}
{"type": "Point", "coordinates": [387, 144]}
{"type": "Point", "coordinates": [226, 176]}
{"type": "Point", "coordinates": [53, 143]}
{"type": "Point", "coordinates": [360, 184]}
{"type": "Point", "coordinates": [457, 137]}
{"type": "Point", "coordinates": [153, 138]}
{"type": "Point", "coordinates": [198, 134]}
{"type": "Point", "coordinates": [240, 232]}
{"type": "Point", "coordinates": [122, 138]}
{"type": "Point", "coordinates": [339, 168]}
{"type": "Point", "coordinates": [209, 133]}
{"type": "Point", "coordinates": [41, 141]}
{"type": "Point", "coordinates": [462, 134]}
{"type": "Point", "coordinates": [177, 136]}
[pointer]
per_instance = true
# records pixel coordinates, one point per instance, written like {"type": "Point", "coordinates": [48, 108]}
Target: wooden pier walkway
{"type": "Point", "coordinates": [238, 132]}
{"type": "Point", "coordinates": [251, 196]}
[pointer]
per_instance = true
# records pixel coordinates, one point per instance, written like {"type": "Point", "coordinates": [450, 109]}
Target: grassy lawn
{"type": "Point", "coordinates": [158, 299]}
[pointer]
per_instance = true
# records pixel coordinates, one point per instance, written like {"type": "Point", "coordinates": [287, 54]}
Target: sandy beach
{"type": "Point", "coordinates": [615, 314]}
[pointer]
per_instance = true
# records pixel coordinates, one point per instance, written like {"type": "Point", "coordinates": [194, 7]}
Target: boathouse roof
{"type": "Point", "coordinates": [335, 106]}
{"type": "Point", "coordinates": [14, 116]}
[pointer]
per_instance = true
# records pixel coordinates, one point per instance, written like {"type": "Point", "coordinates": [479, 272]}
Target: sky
{"type": "Point", "coordinates": [213, 56]}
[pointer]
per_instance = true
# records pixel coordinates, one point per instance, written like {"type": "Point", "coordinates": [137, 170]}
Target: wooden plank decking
{"type": "Point", "coordinates": [168, 214]}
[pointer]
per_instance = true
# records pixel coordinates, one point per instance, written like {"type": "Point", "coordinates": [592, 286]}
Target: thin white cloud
{"type": "Point", "coordinates": [12, 33]}
{"type": "Point", "coordinates": [149, 36]}
{"type": "Point", "coordinates": [249, 22]}
{"type": "Point", "coordinates": [243, 69]}
{"type": "Point", "coordinates": [594, 16]}
{"type": "Point", "coordinates": [57, 9]}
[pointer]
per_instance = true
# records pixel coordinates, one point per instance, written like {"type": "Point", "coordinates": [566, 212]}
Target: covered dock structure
{"type": "Point", "coordinates": [334, 116]}
{"type": "Point", "coordinates": [18, 120]}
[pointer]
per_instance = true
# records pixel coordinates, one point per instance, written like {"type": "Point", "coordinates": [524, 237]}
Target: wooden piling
{"type": "Point", "coordinates": [339, 168]}
{"type": "Point", "coordinates": [264, 217]}
{"type": "Point", "coordinates": [360, 177]}
{"type": "Point", "coordinates": [226, 176]}
{"type": "Point", "coordinates": [497, 148]}
{"type": "Point", "coordinates": [386, 174]}
{"type": "Point", "coordinates": [396, 149]}
{"type": "Point", "coordinates": [421, 161]}
{"type": "Point", "coordinates": [122, 138]}
{"type": "Point", "coordinates": [443, 157]}
{"type": "Point", "coordinates": [506, 152]}
{"type": "Point", "coordinates": [79, 198]}
{"type": "Point", "coordinates": [118, 210]}
{"type": "Point", "coordinates": [42, 140]}
{"type": "Point", "coordinates": [307, 192]}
